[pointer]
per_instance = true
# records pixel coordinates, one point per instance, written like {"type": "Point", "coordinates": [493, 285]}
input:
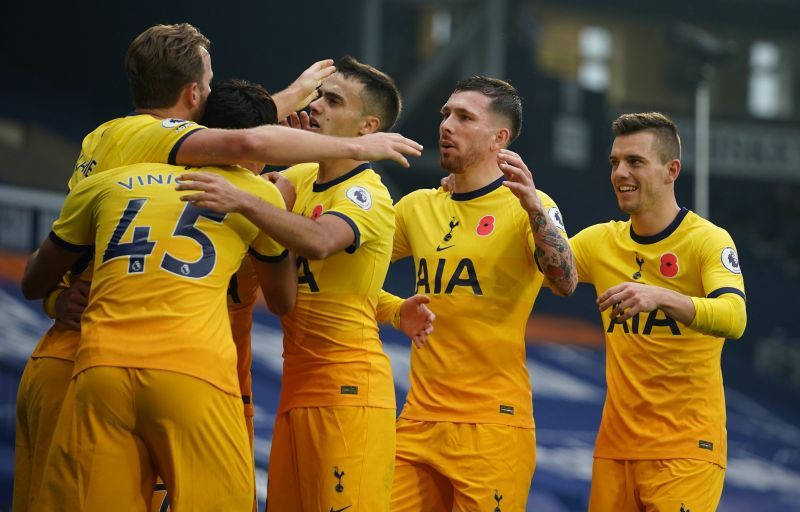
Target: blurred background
{"type": "Point", "coordinates": [728, 72]}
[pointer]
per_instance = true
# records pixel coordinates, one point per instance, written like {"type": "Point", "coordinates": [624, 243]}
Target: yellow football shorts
{"type": "Point", "coordinates": [653, 485]}
{"type": "Point", "coordinates": [119, 427]}
{"type": "Point", "coordinates": [39, 397]}
{"type": "Point", "coordinates": [332, 458]}
{"type": "Point", "coordinates": [462, 467]}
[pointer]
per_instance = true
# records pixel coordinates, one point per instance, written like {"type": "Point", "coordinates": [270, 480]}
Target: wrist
{"type": "Point", "coordinates": [49, 303]}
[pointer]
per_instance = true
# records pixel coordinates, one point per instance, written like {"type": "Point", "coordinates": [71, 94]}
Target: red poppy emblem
{"type": "Point", "coordinates": [486, 225]}
{"type": "Point", "coordinates": [669, 265]}
{"type": "Point", "coordinates": [316, 212]}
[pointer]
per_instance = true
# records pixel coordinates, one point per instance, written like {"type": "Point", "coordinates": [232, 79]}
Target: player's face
{"type": "Point", "coordinates": [204, 85]}
{"type": "Point", "coordinates": [639, 178]}
{"type": "Point", "coordinates": [339, 110]}
{"type": "Point", "coordinates": [466, 131]}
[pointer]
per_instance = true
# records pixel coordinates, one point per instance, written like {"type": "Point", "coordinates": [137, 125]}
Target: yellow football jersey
{"type": "Point", "coordinates": [133, 139]}
{"type": "Point", "coordinates": [332, 352]}
{"type": "Point", "coordinates": [473, 255]}
{"type": "Point", "coordinates": [161, 270]}
{"type": "Point", "coordinates": [242, 295]}
{"type": "Point", "coordinates": [665, 397]}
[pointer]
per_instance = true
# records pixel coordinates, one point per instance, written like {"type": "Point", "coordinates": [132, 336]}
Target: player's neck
{"type": "Point", "coordinates": [476, 177]}
{"type": "Point", "coordinates": [655, 220]}
{"type": "Point", "coordinates": [329, 170]}
{"type": "Point", "coordinates": [174, 112]}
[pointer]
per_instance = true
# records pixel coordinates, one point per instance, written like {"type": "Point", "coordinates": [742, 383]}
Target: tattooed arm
{"type": "Point", "coordinates": [552, 250]}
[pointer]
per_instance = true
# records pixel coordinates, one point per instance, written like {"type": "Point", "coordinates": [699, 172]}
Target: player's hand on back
{"type": "Point", "coordinates": [416, 320]}
{"type": "Point", "coordinates": [387, 146]}
{"type": "Point", "coordinates": [520, 180]}
{"type": "Point", "coordinates": [285, 187]}
{"type": "Point", "coordinates": [214, 192]}
{"type": "Point", "coordinates": [70, 304]}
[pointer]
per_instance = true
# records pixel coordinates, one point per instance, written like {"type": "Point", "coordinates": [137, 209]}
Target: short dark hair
{"type": "Point", "coordinates": [505, 99]}
{"type": "Point", "coordinates": [238, 103]}
{"type": "Point", "coordinates": [666, 140]}
{"type": "Point", "coordinates": [380, 94]}
{"type": "Point", "coordinates": [161, 61]}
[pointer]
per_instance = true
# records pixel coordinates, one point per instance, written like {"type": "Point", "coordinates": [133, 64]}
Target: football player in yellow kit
{"type": "Point", "coordinates": [465, 437]}
{"type": "Point", "coordinates": [670, 291]}
{"type": "Point", "coordinates": [155, 386]}
{"type": "Point", "coordinates": [333, 445]}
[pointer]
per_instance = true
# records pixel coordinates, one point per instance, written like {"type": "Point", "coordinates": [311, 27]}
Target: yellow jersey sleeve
{"type": "Point", "coordinates": [401, 248]}
{"type": "Point", "coordinates": [582, 245]}
{"type": "Point", "coordinates": [721, 272]}
{"type": "Point", "coordinates": [354, 205]}
{"type": "Point", "coordinates": [74, 228]}
{"type": "Point", "coordinates": [133, 139]}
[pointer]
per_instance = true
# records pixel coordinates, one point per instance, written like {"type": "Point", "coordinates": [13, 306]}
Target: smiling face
{"type": "Point", "coordinates": [641, 181]}
{"type": "Point", "coordinates": [340, 108]}
{"type": "Point", "coordinates": [468, 132]}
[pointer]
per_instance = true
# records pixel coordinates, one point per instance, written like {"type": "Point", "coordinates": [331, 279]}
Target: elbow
{"type": "Point", "coordinates": [563, 287]}
{"type": "Point", "coordinates": [30, 290]}
{"type": "Point", "coordinates": [281, 307]}
{"type": "Point", "coordinates": [740, 325]}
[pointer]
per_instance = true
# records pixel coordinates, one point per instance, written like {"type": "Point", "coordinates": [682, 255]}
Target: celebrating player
{"type": "Point", "coordinates": [465, 438]}
{"type": "Point", "coordinates": [333, 445]}
{"type": "Point", "coordinates": [670, 291]}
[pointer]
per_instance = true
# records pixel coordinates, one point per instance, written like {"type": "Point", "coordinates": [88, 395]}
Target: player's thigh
{"type": "Point", "coordinates": [283, 480]}
{"type": "Point", "coordinates": [419, 487]}
{"type": "Point", "coordinates": [492, 467]}
{"type": "Point", "coordinates": [197, 436]}
{"type": "Point", "coordinates": [95, 461]}
{"type": "Point", "coordinates": [341, 458]}
{"type": "Point", "coordinates": [612, 486]}
{"type": "Point", "coordinates": [41, 392]}
{"type": "Point", "coordinates": [679, 484]}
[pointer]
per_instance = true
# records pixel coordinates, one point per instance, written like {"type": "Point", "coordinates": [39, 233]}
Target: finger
{"type": "Point", "coordinates": [412, 144]}
{"type": "Point", "coordinates": [193, 185]}
{"type": "Point", "coordinates": [273, 176]}
{"type": "Point", "coordinates": [305, 120]}
{"type": "Point", "coordinates": [284, 122]}
{"type": "Point", "coordinates": [421, 299]}
{"type": "Point", "coordinates": [419, 343]}
{"type": "Point", "coordinates": [193, 198]}
{"type": "Point", "coordinates": [72, 325]}
{"type": "Point", "coordinates": [611, 291]}
{"type": "Point", "coordinates": [400, 159]}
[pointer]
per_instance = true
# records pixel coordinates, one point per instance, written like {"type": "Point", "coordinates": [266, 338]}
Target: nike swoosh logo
{"type": "Point", "coordinates": [340, 509]}
{"type": "Point", "coordinates": [438, 249]}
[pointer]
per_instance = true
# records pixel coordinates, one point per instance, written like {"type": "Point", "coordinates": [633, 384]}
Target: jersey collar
{"type": "Point", "coordinates": [466, 196]}
{"type": "Point", "coordinates": [317, 187]}
{"type": "Point", "coordinates": [664, 234]}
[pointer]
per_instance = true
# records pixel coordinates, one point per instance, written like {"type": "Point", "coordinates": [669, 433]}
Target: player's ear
{"type": "Point", "coordinates": [500, 138]}
{"type": "Point", "coordinates": [673, 170]}
{"type": "Point", "coordinates": [369, 124]}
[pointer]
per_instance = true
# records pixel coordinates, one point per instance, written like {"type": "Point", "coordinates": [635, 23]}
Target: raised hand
{"type": "Point", "coordinates": [387, 146]}
{"type": "Point", "coordinates": [300, 120]}
{"type": "Point", "coordinates": [520, 180]}
{"type": "Point", "coordinates": [304, 90]}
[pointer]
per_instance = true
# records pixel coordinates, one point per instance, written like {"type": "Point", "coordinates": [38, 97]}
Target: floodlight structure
{"type": "Point", "coordinates": [702, 52]}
